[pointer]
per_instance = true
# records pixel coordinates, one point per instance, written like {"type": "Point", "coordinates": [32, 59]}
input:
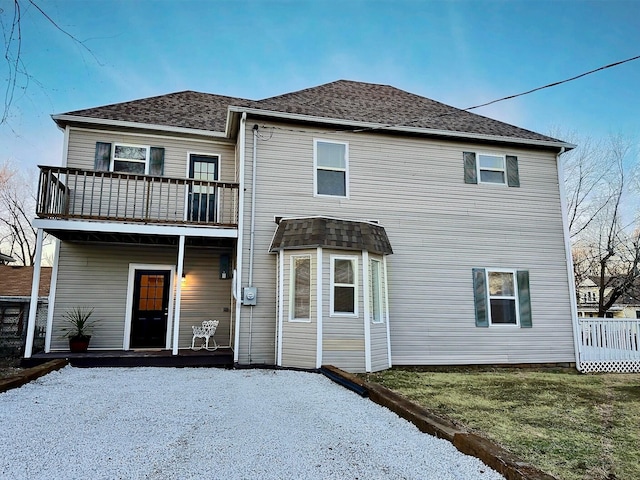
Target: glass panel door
{"type": "Point", "coordinates": [202, 198]}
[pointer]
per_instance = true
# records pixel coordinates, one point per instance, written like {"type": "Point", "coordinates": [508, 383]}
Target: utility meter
{"type": "Point", "coordinates": [249, 295]}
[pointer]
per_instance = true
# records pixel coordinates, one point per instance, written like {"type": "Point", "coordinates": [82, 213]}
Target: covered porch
{"type": "Point", "coordinates": [147, 288]}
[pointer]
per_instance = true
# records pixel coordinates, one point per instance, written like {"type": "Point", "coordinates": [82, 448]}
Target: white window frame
{"type": "Point", "coordinates": [292, 287]}
{"type": "Point", "coordinates": [114, 159]}
{"type": "Point", "coordinates": [375, 265]}
{"type": "Point", "coordinates": [354, 259]}
{"type": "Point", "coordinates": [480, 169]}
{"type": "Point", "coordinates": [513, 297]}
{"type": "Point", "coordinates": [316, 167]}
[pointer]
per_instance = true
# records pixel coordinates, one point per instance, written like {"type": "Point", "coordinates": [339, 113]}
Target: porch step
{"type": "Point", "coordinates": [222, 358]}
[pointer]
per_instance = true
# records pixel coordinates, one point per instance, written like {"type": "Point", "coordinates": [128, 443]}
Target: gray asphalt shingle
{"type": "Point", "coordinates": [341, 100]}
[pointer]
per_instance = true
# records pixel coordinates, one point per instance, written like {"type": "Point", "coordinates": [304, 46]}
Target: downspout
{"type": "Point", "coordinates": [569, 260]}
{"type": "Point", "coordinates": [253, 226]}
{"type": "Point", "coordinates": [238, 273]}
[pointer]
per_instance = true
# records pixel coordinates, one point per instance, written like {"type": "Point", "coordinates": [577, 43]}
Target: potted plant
{"type": "Point", "coordinates": [77, 328]}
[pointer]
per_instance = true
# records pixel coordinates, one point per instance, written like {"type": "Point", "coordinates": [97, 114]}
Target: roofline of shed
{"type": "Point", "coordinates": [398, 128]}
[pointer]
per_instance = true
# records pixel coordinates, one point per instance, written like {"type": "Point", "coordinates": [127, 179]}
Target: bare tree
{"type": "Point", "coordinates": [15, 72]}
{"type": "Point", "coordinates": [603, 217]}
{"type": "Point", "coordinates": [17, 207]}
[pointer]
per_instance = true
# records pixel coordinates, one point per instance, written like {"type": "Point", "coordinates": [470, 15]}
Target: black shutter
{"type": "Point", "coordinates": [513, 179]}
{"type": "Point", "coordinates": [470, 172]}
{"type": "Point", "coordinates": [524, 299]}
{"type": "Point", "coordinates": [103, 157]}
{"type": "Point", "coordinates": [480, 297]}
{"type": "Point", "coordinates": [156, 161]}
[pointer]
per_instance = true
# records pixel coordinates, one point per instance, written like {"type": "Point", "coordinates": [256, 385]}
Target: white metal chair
{"type": "Point", "coordinates": [206, 332]}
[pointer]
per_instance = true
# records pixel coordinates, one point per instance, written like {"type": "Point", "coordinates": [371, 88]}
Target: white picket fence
{"type": "Point", "coordinates": [609, 344]}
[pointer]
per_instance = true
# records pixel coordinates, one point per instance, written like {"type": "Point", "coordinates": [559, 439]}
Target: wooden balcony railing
{"type": "Point", "coordinates": [68, 193]}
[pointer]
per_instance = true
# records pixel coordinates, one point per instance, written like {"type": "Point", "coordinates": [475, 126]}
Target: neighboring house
{"type": "Point", "coordinates": [15, 299]}
{"type": "Point", "coordinates": [351, 224]}
{"type": "Point", "coordinates": [627, 306]}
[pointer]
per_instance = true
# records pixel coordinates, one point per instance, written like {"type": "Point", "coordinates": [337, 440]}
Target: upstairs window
{"type": "Point", "coordinates": [134, 159]}
{"type": "Point", "coordinates": [492, 169]}
{"type": "Point", "coordinates": [331, 168]}
{"type": "Point", "coordinates": [130, 159]}
{"type": "Point", "coordinates": [489, 168]}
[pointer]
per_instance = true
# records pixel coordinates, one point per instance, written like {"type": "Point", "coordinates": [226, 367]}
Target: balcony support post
{"type": "Point", "coordinates": [35, 290]}
{"type": "Point", "coordinates": [176, 316]}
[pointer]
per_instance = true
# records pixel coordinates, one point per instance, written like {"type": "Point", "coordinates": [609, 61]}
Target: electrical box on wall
{"type": "Point", "coordinates": [249, 296]}
{"type": "Point", "coordinates": [225, 266]}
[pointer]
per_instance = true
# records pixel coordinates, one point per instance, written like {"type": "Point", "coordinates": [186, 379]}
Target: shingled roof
{"type": "Point", "coordinates": [342, 100]}
{"type": "Point", "coordinates": [314, 232]}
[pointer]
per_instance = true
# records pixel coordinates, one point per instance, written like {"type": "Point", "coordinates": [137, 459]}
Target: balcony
{"type": "Point", "coordinates": [72, 193]}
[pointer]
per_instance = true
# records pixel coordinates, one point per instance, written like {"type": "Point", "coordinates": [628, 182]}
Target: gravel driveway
{"type": "Point", "coordinates": [165, 423]}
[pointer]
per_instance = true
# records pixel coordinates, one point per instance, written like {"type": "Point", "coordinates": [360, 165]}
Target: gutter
{"type": "Point", "coordinates": [569, 261]}
{"type": "Point", "coordinates": [65, 119]}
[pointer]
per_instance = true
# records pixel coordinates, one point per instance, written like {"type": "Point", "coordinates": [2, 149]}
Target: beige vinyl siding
{"type": "Point", "coordinates": [299, 339]}
{"type": "Point", "coordinates": [97, 276]}
{"type": "Point", "coordinates": [378, 331]}
{"type": "Point", "coordinates": [82, 146]}
{"type": "Point", "coordinates": [440, 228]}
{"type": "Point", "coordinates": [342, 336]}
{"type": "Point", "coordinates": [167, 200]}
{"type": "Point", "coordinates": [205, 296]}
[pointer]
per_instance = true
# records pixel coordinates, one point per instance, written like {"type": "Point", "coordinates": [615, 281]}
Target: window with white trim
{"type": "Point", "coordinates": [300, 288]}
{"type": "Point", "coordinates": [130, 158]}
{"type": "Point", "coordinates": [502, 297]}
{"type": "Point", "coordinates": [492, 169]}
{"type": "Point", "coordinates": [503, 308]}
{"type": "Point", "coordinates": [344, 281]}
{"type": "Point", "coordinates": [133, 159]}
{"type": "Point", "coordinates": [375, 291]}
{"type": "Point", "coordinates": [331, 164]}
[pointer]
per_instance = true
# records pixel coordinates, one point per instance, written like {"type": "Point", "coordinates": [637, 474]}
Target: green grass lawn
{"type": "Point", "coordinates": [572, 426]}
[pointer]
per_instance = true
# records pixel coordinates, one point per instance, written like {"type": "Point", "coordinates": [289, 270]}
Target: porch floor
{"type": "Point", "coordinates": [222, 357]}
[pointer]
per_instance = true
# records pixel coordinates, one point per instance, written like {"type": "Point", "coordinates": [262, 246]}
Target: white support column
{"type": "Point", "coordinates": [319, 310]}
{"type": "Point", "coordinates": [52, 296]}
{"type": "Point", "coordinates": [367, 308]}
{"type": "Point", "coordinates": [280, 307]}
{"type": "Point", "coordinates": [176, 316]}
{"type": "Point", "coordinates": [35, 287]}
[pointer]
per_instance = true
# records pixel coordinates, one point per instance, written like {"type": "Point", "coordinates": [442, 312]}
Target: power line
{"type": "Point", "coordinates": [458, 110]}
{"type": "Point", "coordinates": [554, 83]}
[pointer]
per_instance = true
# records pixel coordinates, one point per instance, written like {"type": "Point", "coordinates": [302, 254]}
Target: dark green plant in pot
{"type": "Point", "coordinates": [77, 328]}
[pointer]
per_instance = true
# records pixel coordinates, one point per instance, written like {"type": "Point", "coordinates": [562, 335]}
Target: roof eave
{"type": "Point", "coordinates": [63, 119]}
{"type": "Point", "coordinates": [368, 126]}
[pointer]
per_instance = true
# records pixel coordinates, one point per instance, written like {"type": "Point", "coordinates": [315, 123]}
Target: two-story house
{"type": "Point", "coordinates": [351, 224]}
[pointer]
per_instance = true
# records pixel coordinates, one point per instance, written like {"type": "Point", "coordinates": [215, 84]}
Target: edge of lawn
{"type": "Point", "coordinates": [494, 456]}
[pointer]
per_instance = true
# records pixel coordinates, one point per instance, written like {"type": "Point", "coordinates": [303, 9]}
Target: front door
{"type": "Point", "coordinates": [150, 309]}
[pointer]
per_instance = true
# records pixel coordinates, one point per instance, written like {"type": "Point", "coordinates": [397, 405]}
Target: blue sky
{"type": "Point", "coordinates": [462, 53]}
